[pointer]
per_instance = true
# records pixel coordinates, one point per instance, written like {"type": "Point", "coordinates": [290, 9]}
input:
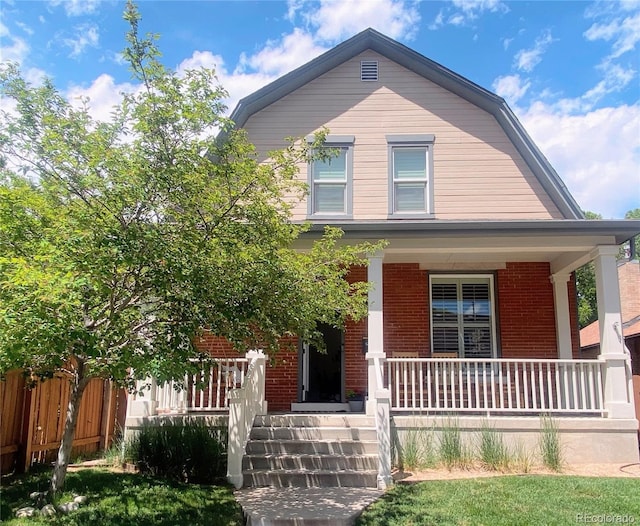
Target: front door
{"type": "Point", "coordinates": [321, 374]}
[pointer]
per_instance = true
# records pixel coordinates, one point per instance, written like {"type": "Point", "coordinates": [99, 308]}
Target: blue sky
{"type": "Point", "coordinates": [569, 69]}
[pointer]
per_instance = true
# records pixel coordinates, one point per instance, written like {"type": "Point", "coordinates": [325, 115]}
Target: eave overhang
{"type": "Point", "coordinates": [618, 231]}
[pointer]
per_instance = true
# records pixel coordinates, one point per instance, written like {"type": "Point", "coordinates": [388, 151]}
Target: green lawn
{"type": "Point", "coordinates": [124, 499]}
{"type": "Point", "coordinates": [509, 500]}
{"type": "Point", "coordinates": [131, 499]}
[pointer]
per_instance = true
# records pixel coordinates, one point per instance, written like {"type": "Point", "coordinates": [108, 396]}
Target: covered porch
{"type": "Point", "coordinates": [489, 350]}
{"type": "Point", "coordinates": [499, 372]}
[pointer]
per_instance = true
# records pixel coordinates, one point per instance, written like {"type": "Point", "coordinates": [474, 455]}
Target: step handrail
{"type": "Point", "coordinates": [244, 404]}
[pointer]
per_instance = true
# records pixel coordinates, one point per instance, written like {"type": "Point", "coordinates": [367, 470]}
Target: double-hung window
{"type": "Point", "coordinates": [330, 180]}
{"type": "Point", "coordinates": [410, 175]}
{"type": "Point", "coordinates": [463, 315]}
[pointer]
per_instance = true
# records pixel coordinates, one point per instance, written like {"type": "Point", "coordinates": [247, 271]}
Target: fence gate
{"type": "Point", "coordinates": [32, 420]}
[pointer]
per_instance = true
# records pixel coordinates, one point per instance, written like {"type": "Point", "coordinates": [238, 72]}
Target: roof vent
{"type": "Point", "coordinates": [368, 70]}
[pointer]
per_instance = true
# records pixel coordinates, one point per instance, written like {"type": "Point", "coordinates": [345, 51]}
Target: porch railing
{"type": "Point", "coordinates": [206, 390]}
{"type": "Point", "coordinates": [496, 386]}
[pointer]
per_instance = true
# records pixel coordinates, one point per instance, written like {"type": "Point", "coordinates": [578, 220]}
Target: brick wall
{"type": "Point", "coordinates": [355, 365]}
{"type": "Point", "coordinates": [406, 312]}
{"type": "Point", "coordinates": [281, 382]}
{"type": "Point", "coordinates": [526, 317]}
{"type": "Point", "coordinates": [629, 279]}
{"type": "Point", "coordinates": [216, 346]}
{"type": "Point", "coordinates": [526, 311]}
{"type": "Point", "coordinates": [573, 316]}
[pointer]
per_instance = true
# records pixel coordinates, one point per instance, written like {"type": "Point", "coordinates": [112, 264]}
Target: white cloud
{"type": "Point", "coordinates": [464, 12]}
{"type": "Point", "coordinates": [86, 35]}
{"type": "Point", "coordinates": [511, 87]}
{"type": "Point", "coordinates": [624, 32]}
{"type": "Point", "coordinates": [597, 153]}
{"type": "Point", "coordinates": [13, 48]}
{"type": "Point", "coordinates": [527, 59]}
{"type": "Point", "coordinates": [437, 22]}
{"type": "Point", "coordinates": [237, 83]}
{"type": "Point", "coordinates": [293, 8]}
{"type": "Point", "coordinates": [616, 79]}
{"type": "Point", "coordinates": [77, 7]}
{"type": "Point", "coordinates": [478, 6]}
{"type": "Point", "coordinates": [16, 49]}
{"type": "Point", "coordinates": [457, 20]}
{"type": "Point", "coordinates": [103, 95]}
{"type": "Point", "coordinates": [280, 57]}
{"type": "Point", "coordinates": [335, 20]}
{"type": "Point", "coordinates": [25, 28]}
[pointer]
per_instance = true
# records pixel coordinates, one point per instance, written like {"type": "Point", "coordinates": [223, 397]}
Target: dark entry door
{"type": "Point", "coordinates": [322, 373]}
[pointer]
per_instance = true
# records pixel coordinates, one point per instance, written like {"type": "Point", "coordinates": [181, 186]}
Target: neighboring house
{"type": "Point", "coordinates": [629, 284]}
{"type": "Point", "coordinates": [473, 306]}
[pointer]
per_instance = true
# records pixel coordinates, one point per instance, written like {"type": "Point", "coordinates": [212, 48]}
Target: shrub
{"type": "Point", "coordinates": [550, 444]}
{"type": "Point", "coordinates": [451, 449]}
{"type": "Point", "coordinates": [187, 451]}
{"type": "Point", "coordinates": [491, 449]}
{"type": "Point", "coordinates": [522, 458]}
{"type": "Point", "coordinates": [416, 449]}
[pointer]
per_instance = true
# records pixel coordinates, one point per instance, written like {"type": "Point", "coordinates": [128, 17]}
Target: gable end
{"type": "Point", "coordinates": [370, 39]}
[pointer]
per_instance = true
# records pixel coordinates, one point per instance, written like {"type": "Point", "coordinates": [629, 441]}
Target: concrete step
{"type": "Point", "coordinates": [314, 420]}
{"type": "Point", "coordinates": [310, 462]}
{"type": "Point", "coordinates": [312, 433]}
{"type": "Point", "coordinates": [312, 447]}
{"type": "Point", "coordinates": [304, 506]}
{"type": "Point", "coordinates": [310, 478]}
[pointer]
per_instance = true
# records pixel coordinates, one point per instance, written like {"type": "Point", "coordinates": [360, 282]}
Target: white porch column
{"type": "Point", "coordinates": [617, 396]}
{"type": "Point", "coordinates": [258, 397]}
{"type": "Point", "coordinates": [563, 320]}
{"type": "Point", "coordinates": [375, 331]}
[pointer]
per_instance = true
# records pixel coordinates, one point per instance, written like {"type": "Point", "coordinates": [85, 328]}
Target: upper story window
{"type": "Point", "coordinates": [410, 175]}
{"type": "Point", "coordinates": [330, 180]}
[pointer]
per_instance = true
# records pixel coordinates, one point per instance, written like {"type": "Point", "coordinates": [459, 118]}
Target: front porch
{"type": "Point", "coordinates": [509, 396]}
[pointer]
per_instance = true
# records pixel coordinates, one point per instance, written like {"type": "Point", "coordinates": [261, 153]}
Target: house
{"type": "Point", "coordinates": [472, 310]}
{"type": "Point", "coordinates": [629, 284]}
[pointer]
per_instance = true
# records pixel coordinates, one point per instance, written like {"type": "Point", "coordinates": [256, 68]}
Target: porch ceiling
{"type": "Point", "coordinates": [484, 245]}
{"type": "Point", "coordinates": [487, 252]}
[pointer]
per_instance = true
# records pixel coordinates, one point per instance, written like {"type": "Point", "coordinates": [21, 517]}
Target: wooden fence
{"type": "Point", "coordinates": [32, 420]}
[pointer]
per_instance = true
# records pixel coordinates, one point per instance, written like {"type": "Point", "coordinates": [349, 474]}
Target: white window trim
{"type": "Point", "coordinates": [333, 141]}
{"type": "Point", "coordinates": [425, 141]}
{"type": "Point", "coordinates": [494, 321]}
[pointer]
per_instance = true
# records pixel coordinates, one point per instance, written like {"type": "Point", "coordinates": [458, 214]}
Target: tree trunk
{"type": "Point", "coordinates": [78, 385]}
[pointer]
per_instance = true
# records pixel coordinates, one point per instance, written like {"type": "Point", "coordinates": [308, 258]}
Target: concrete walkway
{"type": "Point", "coordinates": [304, 506]}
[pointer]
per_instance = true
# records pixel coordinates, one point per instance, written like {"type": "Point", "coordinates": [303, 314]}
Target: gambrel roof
{"type": "Point", "coordinates": [370, 39]}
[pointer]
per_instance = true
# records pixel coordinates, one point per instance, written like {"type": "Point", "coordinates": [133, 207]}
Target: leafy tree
{"type": "Point", "coordinates": [120, 241]}
{"type": "Point", "coordinates": [586, 287]}
{"type": "Point", "coordinates": [635, 214]}
{"type": "Point", "coordinates": [586, 278]}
